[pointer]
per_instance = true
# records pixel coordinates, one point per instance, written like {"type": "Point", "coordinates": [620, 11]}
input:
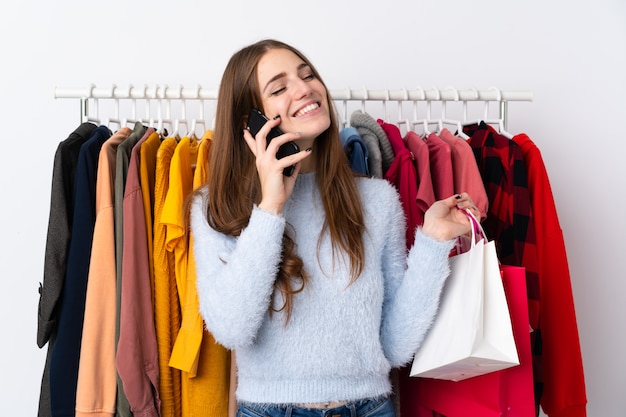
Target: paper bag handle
{"type": "Point", "coordinates": [477, 229]}
{"type": "Point", "coordinates": [476, 226]}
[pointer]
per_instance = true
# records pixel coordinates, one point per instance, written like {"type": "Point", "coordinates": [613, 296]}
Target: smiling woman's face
{"type": "Point", "coordinates": [289, 88]}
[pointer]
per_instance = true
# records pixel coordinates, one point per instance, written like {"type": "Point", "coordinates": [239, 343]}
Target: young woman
{"type": "Point", "coordinates": [306, 277]}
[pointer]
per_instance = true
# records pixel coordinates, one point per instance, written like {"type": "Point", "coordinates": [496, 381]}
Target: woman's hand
{"type": "Point", "coordinates": [275, 187]}
{"type": "Point", "coordinates": [445, 219]}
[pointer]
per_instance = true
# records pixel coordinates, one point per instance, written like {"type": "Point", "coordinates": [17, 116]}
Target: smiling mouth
{"type": "Point", "coordinates": [307, 109]}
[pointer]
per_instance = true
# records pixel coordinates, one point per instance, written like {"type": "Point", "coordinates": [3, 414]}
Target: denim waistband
{"type": "Point", "coordinates": [371, 407]}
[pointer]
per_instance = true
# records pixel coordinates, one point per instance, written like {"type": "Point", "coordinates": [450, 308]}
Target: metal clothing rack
{"type": "Point", "coordinates": [161, 104]}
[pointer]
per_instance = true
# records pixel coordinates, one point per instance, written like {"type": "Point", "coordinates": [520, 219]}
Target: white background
{"type": "Point", "coordinates": [571, 54]}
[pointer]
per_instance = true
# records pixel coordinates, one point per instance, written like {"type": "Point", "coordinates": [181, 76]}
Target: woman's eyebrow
{"type": "Point", "coordinates": [283, 74]}
{"type": "Point", "coordinates": [274, 78]}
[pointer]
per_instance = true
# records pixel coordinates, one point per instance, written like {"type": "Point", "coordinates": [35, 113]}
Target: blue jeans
{"type": "Point", "coordinates": [378, 407]}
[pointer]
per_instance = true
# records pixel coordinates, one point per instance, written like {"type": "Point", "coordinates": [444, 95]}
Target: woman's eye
{"type": "Point", "coordinates": [276, 92]}
{"type": "Point", "coordinates": [308, 77]}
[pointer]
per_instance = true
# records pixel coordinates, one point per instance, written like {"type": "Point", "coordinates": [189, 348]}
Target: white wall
{"type": "Point", "coordinates": [572, 55]}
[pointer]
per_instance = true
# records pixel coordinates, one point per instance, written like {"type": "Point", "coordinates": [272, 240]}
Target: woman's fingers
{"type": "Point", "coordinates": [464, 201]}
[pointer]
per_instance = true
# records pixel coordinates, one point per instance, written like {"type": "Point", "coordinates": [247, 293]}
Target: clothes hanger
{"type": "Point", "coordinates": [115, 120]}
{"type": "Point", "coordinates": [385, 116]}
{"type": "Point", "coordinates": [165, 120]}
{"type": "Point", "coordinates": [401, 120]}
{"type": "Point", "coordinates": [90, 118]}
{"type": "Point", "coordinates": [182, 120]}
{"type": "Point", "coordinates": [426, 121]}
{"type": "Point", "coordinates": [163, 128]}
{"type": "Point", "coordinates": [445, 121]}
{"type": "Point", "coordinates": [500, 120]}
{"type": "Point", "coordinates": [193, 135]}
{"type": "Point", "coordinates": [175, 132]}
{"type": "Point", "coordinates": [87, 116]}
{"type": "Point", "coordinates": [193, 129]}
{"type": "Point", "coordinates": [497, 124]}
{"type": "Point", "coordinates": [146, 120]}
{"type": "Point", "coordinates": [466, 120]}
{"type": "Point", "coordinates": [345, 118]}
{"type": "Point", "coordinates": [150, 120]}
{"type": "Point", "coordinates": [133, 119]}
{"type": "Point", "coordinates": [364, 100]}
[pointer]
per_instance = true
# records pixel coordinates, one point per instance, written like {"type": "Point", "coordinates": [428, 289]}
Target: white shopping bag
{"type": "Point", "coordinates": [472, 333]}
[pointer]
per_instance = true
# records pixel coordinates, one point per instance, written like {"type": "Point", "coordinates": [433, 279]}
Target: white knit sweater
{"type": "Point", "coordinates": [342, 339]}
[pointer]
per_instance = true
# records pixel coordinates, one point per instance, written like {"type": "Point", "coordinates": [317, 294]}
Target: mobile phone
{"type": "Point", "coordinates": [256, 120]}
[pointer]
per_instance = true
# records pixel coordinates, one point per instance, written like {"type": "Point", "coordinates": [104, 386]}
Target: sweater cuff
{"type": "Point", "coordinates": [266, 215]}
{"type": "Point", "coordinates": [431, 244]}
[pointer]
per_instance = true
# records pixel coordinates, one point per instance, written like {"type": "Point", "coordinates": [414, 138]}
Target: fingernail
{"type": "Point", "coordinates": [458, 196]}
{"type": "Point", "coordinates": [308, 149]}
{"type": "Point", "coordinates": [277, 116]}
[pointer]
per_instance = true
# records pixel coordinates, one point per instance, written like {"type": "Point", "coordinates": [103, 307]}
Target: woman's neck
{"type": "Point", "coordinates": [308, 165]}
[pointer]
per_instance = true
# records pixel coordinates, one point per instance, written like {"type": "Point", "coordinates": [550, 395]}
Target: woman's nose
{"type": "Point", "coordinates": [303, 89]}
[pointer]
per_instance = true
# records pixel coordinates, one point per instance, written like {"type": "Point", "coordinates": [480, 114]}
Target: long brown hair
{"type": "Point", "coordinates": [234, 186]}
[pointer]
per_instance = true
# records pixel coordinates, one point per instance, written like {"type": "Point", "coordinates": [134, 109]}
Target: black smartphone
{"type": "Point", "coordinates": [256, 120]}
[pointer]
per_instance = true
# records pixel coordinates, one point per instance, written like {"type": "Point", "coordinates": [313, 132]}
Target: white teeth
{"type": "Point", "coordinates": [306, 109]}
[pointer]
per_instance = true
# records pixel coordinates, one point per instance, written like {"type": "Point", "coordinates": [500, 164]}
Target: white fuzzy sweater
{"type": "Point", "coordinates": [342, 339]}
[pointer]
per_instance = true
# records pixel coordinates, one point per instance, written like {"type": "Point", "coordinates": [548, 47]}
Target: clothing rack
{"type": "Point", "coordinates": [421, 101]}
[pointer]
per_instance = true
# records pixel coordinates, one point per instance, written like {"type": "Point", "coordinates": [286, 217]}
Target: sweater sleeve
{"type": "Point", "coordinates": [235, 275]}
{"type": "Point", "coordinates": [412, 290]}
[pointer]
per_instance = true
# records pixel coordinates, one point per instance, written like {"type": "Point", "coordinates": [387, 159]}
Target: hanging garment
{"type": "Point", "coordinates": [172, 219]}
{"type": "Point", "coordinates": [173, 215]}
{"type": "Point", "coordinates": [205, 364]}
{"type": "Point", "coordinates": [355, 149]}
{"type": "Point", "coordinates": [124, 151]}
{"type": "Point", "coordinates": [97, 387]}
{"type": "Point", "coordinates": [136, 358]}
{"type": "Point", "coordinates": [425, 192]}
{"type": "Point", "coordinates": [510, 219]}
{"type": "Point", "coordinates": [364, 122]}
{"type": "Point", "coordinates": [64, 359]}
{"type": "Point", "coordinates": [57, 246]}
{"type": "Point", "coordinates": [378, 147]}
{"type": "Point", "coordinates": [169, 378]}
{"type": "Point", "coordinates": [564, 391]}
{"type": "Point", "coordinates": [59, 228]}
{"type": "Point", "coordinates": [202, 168]}
{"type": "Point", "coordinates": [147, 172]}
{"type": "Point", "coordinates": [186, 347]}
{"type": "Point", "coordinates": [440, 166]}
{"type": "Point", "coordinates": [402, 175]}
{"type": "Point", "coordinates": [465, 173]}
{"type": "Point", "coordinates": [167, 314]}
